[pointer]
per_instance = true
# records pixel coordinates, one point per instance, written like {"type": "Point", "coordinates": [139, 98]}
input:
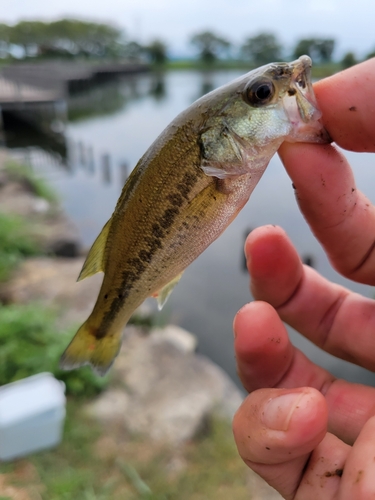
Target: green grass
{"type": "Point", "coordinates": [216, 65]}
{"type": "Point", "coordinates": [16, 243]}
{"type": "Point", "coordinates": [81, 469]}
{"type": "Point", "coordinates": [17, 240]}
{"type": "Point", "coordinates": [318, 70]}
{"type": "Point", "coordinates": [323, 70]}
{"type": "Point", "coordinates": [37, 185]}
{"type": "Point", "coordinates": [30, 343]}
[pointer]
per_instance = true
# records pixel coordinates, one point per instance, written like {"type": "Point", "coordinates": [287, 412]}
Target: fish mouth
{"type": "Point", "coordinates": [301, 84]}
{"type": "Point", "coordinates": [301, 106]}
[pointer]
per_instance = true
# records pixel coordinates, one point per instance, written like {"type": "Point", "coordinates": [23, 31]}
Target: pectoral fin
{"type": "Point", "coordinates": [94, 262]}
{"type": "Point", "coordinates": [163, 294]}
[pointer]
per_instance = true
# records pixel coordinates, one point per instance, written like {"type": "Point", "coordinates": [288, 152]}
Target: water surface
{"type": "Point", "coordinates": [121, 120]}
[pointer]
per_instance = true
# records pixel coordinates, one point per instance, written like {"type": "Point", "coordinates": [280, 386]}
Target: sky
{"type": "Point", "coordinates": [349, 22]}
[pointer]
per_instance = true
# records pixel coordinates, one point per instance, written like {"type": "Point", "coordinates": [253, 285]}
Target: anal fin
{"type": "Point", "coordinates": [163, 294]}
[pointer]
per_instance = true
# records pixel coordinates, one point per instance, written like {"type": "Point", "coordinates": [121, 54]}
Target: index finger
{"type": "Point", "coordinates": [339, 215]}
{"type": "Point", "coordinates": [347, 102]}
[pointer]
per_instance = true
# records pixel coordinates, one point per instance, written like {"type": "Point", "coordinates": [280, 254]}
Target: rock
{"type": "Point", "coordinates": [176, 336]}
{"type": "Point", "coordinates": [63, 248]}
{"type": "Point", "coordinates": [15, 199]}
{"type": "Point", "coordinates": [48, 224]}
{"type": "Point", "coordinates": [57, 235]}
{"type": "Point", "coordinates": [53, 281]}
{"type": "Point", "coordinates": [112, 402]}
{"type": "Point", "coordinates": [169, 392]}
{"type": "Point", "coordinates": [41, 206]}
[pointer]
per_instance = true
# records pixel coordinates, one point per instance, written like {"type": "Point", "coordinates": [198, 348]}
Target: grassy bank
{"type": "Point", "coordinates": [31, 342]}
{"type": "Point", "coordinates": [17, 238]}
{"type": "Point", "coordinates": [200, 66]}
{"type": "Point", "coordinates": [31, 182]}
{"type": "Point", "coordinates": [96, 463]}
{"type": "Point", "coordinates": [318, 70]}
{"type": "Point", "coordinates": [16, 243]}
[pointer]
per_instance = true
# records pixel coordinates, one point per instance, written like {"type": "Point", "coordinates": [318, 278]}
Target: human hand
{"type": "Point", "coordinates": [308, 434]}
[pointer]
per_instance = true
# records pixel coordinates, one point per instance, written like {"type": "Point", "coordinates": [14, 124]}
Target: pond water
{"type": "Point", "coordinates": [110, 128]}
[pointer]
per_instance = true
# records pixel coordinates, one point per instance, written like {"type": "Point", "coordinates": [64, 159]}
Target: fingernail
{"type": "Point", "coordinates": [278, 411]}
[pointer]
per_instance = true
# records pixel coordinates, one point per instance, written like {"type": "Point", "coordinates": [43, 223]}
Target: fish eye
{"type": "Point", "coordinates": [259, 92]}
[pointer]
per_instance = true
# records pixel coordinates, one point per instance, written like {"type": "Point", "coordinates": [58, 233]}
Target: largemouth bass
{"type": "Point", "coordinates": [186, 189]}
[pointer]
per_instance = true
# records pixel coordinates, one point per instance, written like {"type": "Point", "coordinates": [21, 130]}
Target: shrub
{"type": "Point", "coordinates": [15, 243]}
{"type": "Point", "coordinates": [30, 344]}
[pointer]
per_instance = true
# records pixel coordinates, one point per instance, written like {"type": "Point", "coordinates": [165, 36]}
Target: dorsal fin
{"type": "Point", "coordinates": [162, 295]}
{"type": "Point", "coordinates": [94, 262]}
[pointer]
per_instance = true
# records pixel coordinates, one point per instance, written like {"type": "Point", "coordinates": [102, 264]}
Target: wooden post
{"type": "Point", "coordinates": [106, 168]}
{"type": "Point", "coordinates": [81, 153]}
{"type": "Point", "coordinates": [123, 172]}
{"type": "Point", "coordinates": [90, 160]}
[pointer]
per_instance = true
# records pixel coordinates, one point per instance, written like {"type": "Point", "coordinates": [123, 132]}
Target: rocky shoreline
{"type": "Point", "coordinates": [181, 375]}
{"type": "Point", "coordinates": [161, 387]}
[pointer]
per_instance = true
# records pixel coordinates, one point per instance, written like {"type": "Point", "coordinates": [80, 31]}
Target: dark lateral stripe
{"type": "Point", "coordinates": [153, 243]}
{"type": "Point", "coordinates": [187, 183]}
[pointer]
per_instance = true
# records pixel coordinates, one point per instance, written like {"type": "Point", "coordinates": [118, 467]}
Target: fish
{"type": "Point", "coordinates": [185, 190]}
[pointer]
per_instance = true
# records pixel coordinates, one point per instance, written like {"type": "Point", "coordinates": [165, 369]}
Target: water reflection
{"type": "Point", "coordinates": [215, 286]}
{"type": "Point", "coordinates": [106, 169]}
{"type": "Point", "coordinates": [102, 100]}
{"type": "Point", "coordinates": [90, 160]}
{"type": "Point", "coordinates": [157, 88]}
{"type": "Point", "coordinates": [124, 172]}
{"type": "Point", "coordinates": [81, 153]}
{"type": "Point", "coordinates": [207, 83]}
{"type": "Point", "coordinates": [19, 134]}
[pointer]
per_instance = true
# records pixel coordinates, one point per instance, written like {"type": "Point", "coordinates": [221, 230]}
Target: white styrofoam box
{"type": "Point", "coordinates": [32, 413]}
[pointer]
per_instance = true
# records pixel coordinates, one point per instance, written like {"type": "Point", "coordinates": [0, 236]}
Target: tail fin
{"type": "Point", "coordinates": [85, 349]}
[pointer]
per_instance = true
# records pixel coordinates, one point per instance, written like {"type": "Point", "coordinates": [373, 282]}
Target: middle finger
{"type": "Point", "coordinates": [327, 314]}
{"type": "Point", "coordinates": [267, 358]}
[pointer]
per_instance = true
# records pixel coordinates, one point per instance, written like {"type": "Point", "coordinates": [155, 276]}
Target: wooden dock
{"type": "Point", "coordinates": [15, 94]}
{"type": "Point", "coordinates": [65, 77]}
{"type": "Point", "coordinates": [36, 93]}
{"type": "Point", "coordinates": [38, 107]}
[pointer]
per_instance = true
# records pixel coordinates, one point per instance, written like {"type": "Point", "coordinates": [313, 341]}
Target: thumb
{"type": "Point", "coordinates": [276, 430]}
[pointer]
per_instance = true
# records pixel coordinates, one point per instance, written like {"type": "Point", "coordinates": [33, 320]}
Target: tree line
{"type": "Point", "coordinates": [266, 47]}
{"type": "Point", "coordinates": [62, 38]}
{"type": "Point", "coordinates": [72, 38]}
